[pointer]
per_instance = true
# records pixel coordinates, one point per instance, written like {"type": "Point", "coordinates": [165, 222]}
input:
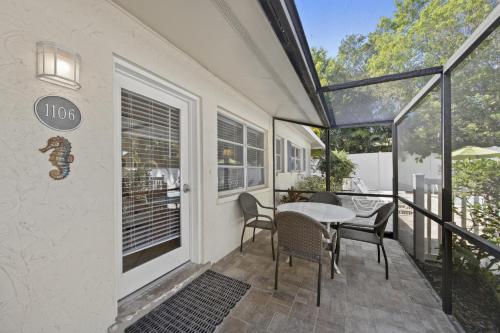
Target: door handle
{"type": "Point", "coordinates": [186, 188]}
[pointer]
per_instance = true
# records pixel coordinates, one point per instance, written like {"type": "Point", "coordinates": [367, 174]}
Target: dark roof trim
{"type": "Point", "coordinates": [277, 16]}
{"type": "Point", "coordinates": [367, 124]}
{"type": "Point", "coordinates": [383, 79]}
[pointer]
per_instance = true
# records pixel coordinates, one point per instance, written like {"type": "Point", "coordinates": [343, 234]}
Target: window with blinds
{"type": "Point", "coordinates": [294, 157]}
{"type": "Point", "coordinates": [240, 154]}
{"type": "Point", "coordinates": [278, 150]}
{"type": "Point", "coordinates": [150, 176]}
{"type": "Point", "coordinates": [304, 159]}
{"type": "Point", "coordinates": [255, 157]}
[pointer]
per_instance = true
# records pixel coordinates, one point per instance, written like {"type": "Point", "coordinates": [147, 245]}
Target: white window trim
{"type": "Point", "coordinates": [246, 124]}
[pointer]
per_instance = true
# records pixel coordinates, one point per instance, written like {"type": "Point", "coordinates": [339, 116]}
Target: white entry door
{"type": "Point", "coordinates": [154, 190]}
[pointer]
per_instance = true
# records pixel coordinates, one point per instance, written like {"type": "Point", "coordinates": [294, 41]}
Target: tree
{"type": "Point", "coordinates": [420, 33]}
{"type": "Point", "coordinates": [341, 167]}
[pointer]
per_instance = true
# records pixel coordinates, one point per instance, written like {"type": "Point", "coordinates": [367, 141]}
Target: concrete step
{"type": "Point", "coordinates": [136, 305]}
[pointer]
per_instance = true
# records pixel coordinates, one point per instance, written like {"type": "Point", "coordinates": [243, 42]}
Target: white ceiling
{"type": "Point", "coordinates": [233, 40]}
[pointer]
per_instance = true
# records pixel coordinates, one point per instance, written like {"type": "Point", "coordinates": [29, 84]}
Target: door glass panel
{"type": "Point", "coordinates": [151, 176]}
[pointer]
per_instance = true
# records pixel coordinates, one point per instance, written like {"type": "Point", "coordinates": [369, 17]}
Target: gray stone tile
{"type": "Point", "coordinates": [288, 324]}
{"type": "Point", "coordinates": [307, 313]}
{"type": "Point", "coordinates": [232, 325]}
{"type": "Point", "coordinates": [358, 300]}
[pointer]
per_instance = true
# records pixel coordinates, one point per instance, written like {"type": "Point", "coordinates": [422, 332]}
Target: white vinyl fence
{"type": "Point", "coordinates": [375, 169]}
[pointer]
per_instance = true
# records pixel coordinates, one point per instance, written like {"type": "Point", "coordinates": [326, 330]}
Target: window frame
{"type": "Point", "coordinates": [246, 125]}
{"type": "Point", "coordinates": [304, 159]}
{"type": "Point", "coordinates": [296, 158]}
{"type": "Point", "coordinates": [281, 167]}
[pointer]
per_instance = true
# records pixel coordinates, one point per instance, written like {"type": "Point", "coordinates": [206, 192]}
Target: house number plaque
{"type": "Point", "coordinates": [58, 113]}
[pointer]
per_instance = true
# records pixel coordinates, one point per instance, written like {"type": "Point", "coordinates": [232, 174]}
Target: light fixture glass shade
{"type": "Point", "coordinates": [58, 66]}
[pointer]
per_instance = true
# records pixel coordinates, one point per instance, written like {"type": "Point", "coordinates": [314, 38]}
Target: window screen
{"type": "Point", "coordinates": [304, 157]}
{"type": "Point", "coordinates": [241, 155]}
{"type": "Point", "coordinates": [230, 154]}
{"type": "Point", "coordinates": [150, 172]}
{"type": "Point", "coordinates": [278, 148]}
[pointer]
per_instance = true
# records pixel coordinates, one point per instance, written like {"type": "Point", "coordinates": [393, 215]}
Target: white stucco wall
{"type": "Point", "coordinates": [292, 132]}
{"type": "Point", "coordinates": [57, 246]}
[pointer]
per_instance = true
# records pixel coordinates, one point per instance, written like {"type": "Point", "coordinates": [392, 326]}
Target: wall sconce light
{"type": "Point", "coordinates": [58, 66]}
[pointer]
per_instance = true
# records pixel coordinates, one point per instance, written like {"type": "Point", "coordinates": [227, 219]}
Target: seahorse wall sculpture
{"type": "Point", "coordinates": [60, 157]}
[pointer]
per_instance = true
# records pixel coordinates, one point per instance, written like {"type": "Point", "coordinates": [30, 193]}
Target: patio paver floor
{"type": "Point", "coordinates": [358, 300]}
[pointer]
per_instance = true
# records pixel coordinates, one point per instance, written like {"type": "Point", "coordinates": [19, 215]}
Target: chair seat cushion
{"type": "Point", "coordinates": [261, 224]}
{"type": "Point", "coordinates": [368, 237]}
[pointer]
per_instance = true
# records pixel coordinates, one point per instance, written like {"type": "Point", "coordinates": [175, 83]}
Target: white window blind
{"type": "Point", "coordinates": [278, 150]}
{"type": "Point", "coordinates": [150, 172]}
{"type": "Point", "coordinates": [255, 157]}
{"type": "Point", "coordinates": [294, 157]}
{"type": "Point", "coordinates": [230, 146]}
{"type": "Point", "coordinates": [241, 152]}
{"type": "Point", "coordinates": [304, 159]}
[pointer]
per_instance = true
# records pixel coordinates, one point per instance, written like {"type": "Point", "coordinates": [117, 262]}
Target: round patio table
{"type": "Point", "coordinates": [321, 212]}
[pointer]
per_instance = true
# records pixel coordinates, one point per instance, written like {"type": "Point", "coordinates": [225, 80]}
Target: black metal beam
{"type": "Point", "coordinates": [299, 122]}
{"type": "Point", "coordinates": [446, 192]}
{"type": "Point", "coordinates": [421, 210]}
{"type": "Point", "coordinates": [277, 17]}
{"type": "Point", "coordinates": [354, 194]}
{"type": "Point", "coordinates": [474, 239]}
{"type": "Point", "coordinates": [367, 124]}
{"type": "Point", "coordinates": [383, 79]}
{"type": "Point", "coordinates": [395, 182]}
{"type": "Point", "coordinates": [274, 168]}
{"type": "Point", "coordinates": [328, 157]}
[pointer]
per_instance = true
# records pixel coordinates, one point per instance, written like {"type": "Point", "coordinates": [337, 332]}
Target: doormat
{"type": "Point", "coordinates": [197, 308]}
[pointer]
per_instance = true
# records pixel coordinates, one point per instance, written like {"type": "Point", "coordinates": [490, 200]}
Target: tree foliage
{"type": "Point", "coordinates": [420, 34]}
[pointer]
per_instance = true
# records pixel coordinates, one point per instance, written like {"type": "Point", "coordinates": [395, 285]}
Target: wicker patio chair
{"type": "Point", "coordinates": [373, 234]}
{"type": "Point", "coordinates": [301, 236]}
{"type": "Point", "coordinates": [327, 198]}
{"type": "Point", "coordinates": [248, 204]}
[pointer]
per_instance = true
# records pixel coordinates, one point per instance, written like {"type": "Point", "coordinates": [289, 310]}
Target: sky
{"type": "Point", "coordinates": [327, 22]}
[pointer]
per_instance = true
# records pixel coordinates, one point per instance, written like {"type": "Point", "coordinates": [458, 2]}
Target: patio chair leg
{"type": "Point", "coordinates": [386, 264]}
{"type": "Point", "coordinates": [332, 265]}
{"type": "Point", "coordinates": [337, 248]}
{"type": "Point", "coordinates": [319, 284]}
{"type": "Point", "coordinates": [290, 262]}
{"type": "Point", "coordinates": [276, 270]}
{"type": "Point", "coordinates": [253, 238]}
{"type": "Point", "coordinates": [242, 234]}
{"type": "Point", "coordinates": [272, 243]}
{"type": "Point", "coordinates": [378, 252]}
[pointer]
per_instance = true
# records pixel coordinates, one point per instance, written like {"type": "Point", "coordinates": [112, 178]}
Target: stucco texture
{"type": "Point", "coordinates": [57, 243]}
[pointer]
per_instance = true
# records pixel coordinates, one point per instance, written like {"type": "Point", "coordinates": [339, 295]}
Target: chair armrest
{"type": "Point", "coordinates": [265, 207]}
{"type": "Point", "coordinates": [367, 215]}
{"type": "Point", "coordinates": [359, 227]}
{"type": "Point", "coordinates": [265, 216]}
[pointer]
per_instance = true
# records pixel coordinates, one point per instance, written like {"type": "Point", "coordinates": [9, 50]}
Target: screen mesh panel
{"type": "Point", "coordinates": [419, 153]}
{"type": "Point", "coordinates": [374, 103]}
{"type": "Point", "coordinates": [150, 172]}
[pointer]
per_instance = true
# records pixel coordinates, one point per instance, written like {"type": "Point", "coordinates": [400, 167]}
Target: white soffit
{"type": "Point", "coordinates": [234, 41]}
